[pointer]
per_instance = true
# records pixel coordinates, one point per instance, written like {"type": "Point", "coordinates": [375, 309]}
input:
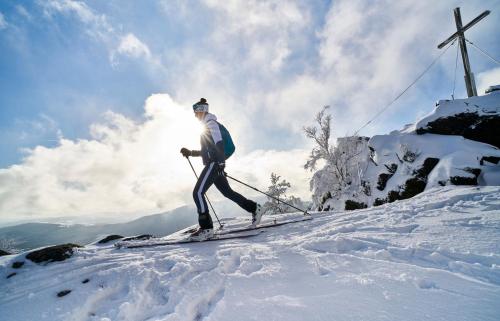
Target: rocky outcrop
{"type": "Point", "coordinates": [62, 293]}
{"type": "Point", "coordinates": [353, 205]}
{"type": "Point", "coordinates": [481, 128]}
{"type": "Point", "coordinates": [17, 264]}
{"type": "Point", "coordinates": [52, 253]}
{"type": "Point", "coordinates": [412, 186]}
{"type": "Point", "coordinates": [467, 179]}
{"type": "Point", "coordinates": [382, 181]}
{"type": "Point", "coordinates": [489, 159]}
{"type": "Point", "coordinates": [139, 237]}
{"type": "Point", "coordinates": [110, 238]}
{"type": "Point", "coordinates": [2, 253]}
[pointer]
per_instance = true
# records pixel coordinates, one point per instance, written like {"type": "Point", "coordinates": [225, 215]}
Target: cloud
{"type": "Point", "coordinates": [131, 46]}
{"type": "Point", "coordinates": [23, 12]}
{"type": "Point", "coordinates": [97, 24]}
{"type": "Point", "coordinates": [3, 23]}
{"type": "Point", "coordinates": [126, 167]}
{"type": "Point", "coordinates": [266, 68]}
{"type": "Point", "coordinates": [361, 56]}
{"type": "Point", "coordinates": [487, 79]}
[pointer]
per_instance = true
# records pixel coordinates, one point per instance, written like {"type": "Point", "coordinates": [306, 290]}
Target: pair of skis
{"type": "Point", "coordinates": [234, 233]}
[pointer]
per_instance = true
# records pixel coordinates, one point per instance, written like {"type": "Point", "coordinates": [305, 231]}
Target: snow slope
{"type": "Point", "coordinates": [433, 257]}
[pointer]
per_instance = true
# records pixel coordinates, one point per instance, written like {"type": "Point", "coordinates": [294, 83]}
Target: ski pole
{"type": "Point", "coordinates": [275, 198]}
{"type": "Point", "coordinates": [194, 171]}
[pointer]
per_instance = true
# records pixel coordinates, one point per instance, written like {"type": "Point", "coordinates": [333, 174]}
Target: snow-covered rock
{"type": "Point", "coordinates": [476, 118]}
{"type": "Point", "coordinates": [433, 257]}
{"type": "Point", "coordinates": [457, 144]}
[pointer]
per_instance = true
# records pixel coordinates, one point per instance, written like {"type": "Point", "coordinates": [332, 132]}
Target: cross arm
{"type": "Point", "coordinates": [464, 28]}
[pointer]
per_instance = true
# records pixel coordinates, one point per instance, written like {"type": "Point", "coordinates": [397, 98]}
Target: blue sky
{"type": "Point", "coordinates": [72, 73]}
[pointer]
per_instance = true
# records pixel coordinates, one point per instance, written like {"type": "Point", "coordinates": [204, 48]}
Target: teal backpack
{"type": "Point", "coordinates": [229, 147]}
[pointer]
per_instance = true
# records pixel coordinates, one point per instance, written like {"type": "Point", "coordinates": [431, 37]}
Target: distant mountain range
{"type": "Point", "coordinates": [28, 236]}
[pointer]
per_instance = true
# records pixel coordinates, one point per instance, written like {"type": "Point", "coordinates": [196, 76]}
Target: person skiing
{"type": "Point", "coordinates": [214, 157]}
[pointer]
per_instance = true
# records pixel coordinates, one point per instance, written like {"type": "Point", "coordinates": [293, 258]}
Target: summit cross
{"type": "Point", "coordinates": [469, 76]}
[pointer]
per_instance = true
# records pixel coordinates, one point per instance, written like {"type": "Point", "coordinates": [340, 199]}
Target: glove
{"type": "Point", "coordinates": [220, 169]}
{"type": "Point", "coordinates": [185, 152]}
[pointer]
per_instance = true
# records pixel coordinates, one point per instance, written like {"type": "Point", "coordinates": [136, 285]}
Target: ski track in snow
{"type": "Point", "coordinates": [436, 256]}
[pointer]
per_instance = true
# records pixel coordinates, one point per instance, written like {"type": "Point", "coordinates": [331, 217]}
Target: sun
{"type": "Point", "coordinates": [195, 127]}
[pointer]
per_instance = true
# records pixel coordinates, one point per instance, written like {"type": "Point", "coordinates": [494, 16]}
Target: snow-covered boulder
{"type": "Point", "coordinates": [52, 253]}
{"type": "Point", "coordinates": [457, 144]}
{"type": "Point", "coordinates": [406, 164]}
{"type": "Point", "coordinates": [475, 118]}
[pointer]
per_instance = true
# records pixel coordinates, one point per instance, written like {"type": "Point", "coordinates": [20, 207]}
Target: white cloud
{"type": "Point", "coordinates": [3, 23]}
{"type": "Point", "coordinates": [265, 28]}
{"type": "Point", "coordinates": [131, 46]}
{"type": "Point", "coordinates": [23, 12]}
{"type": "Point", "coordinates": [98, 27]}
{"type": "Point", "coordinates": [487, 79]}
{"type": "Point", "coordinates": [97, 24]}
{"type": "Point", "coordinates": [251, 63]}
{"type": "Point", "coordinates": [127, 167]}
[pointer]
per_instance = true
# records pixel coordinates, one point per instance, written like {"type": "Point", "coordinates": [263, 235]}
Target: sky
{"type": "Point", "coordinates": [96, 96]}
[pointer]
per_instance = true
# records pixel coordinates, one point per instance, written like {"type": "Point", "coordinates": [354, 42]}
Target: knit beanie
{"type": "Point", "coordinates": [201, 106]}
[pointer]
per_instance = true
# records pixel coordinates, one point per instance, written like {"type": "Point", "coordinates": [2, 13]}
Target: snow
{"type": "Point", "coordinates": [454, 153]}
{"type": "Point", "coordinates": [482, 105]}
{"type": "Point", "coordinates": [385, 164]}
{"type": "Point", "coordinates": [492, 88]}
{"type": "Point", "coordinates": [433, 257]}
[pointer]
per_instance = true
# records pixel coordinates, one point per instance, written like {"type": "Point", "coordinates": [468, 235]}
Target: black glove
{"type": "Point", "coordinates": [220, 169]}
{"type": "Point", "coordinates": [185, 152]}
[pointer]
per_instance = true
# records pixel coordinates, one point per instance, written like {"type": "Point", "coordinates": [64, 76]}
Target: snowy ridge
{"type": "Point", "coordinates": [487, 105]}
{"type": "Point", "coordinates": [435, 256]}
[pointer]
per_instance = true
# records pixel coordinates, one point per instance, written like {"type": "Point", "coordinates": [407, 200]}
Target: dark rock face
{"type": "Point", "coordinates": [427, 167]}
{"type": "Point", "coordinates": [17, 265]}
{"type": "Point", "coordinates": [466, 180]}
{"type": "Point", "coordinates": [140, 237]}
{"type": "Point", "coordinates": [384, 177]}
{"type": "Point", "coordinates": [412, 186]}
{"type": "Point", "coordinates": [392, 196]}
{"type": "Point", "coordinates": [353, 205]}
{"type": "Point", "coordinates": [489, 159]}
{"type": "Point", "coordinates": [110, 238]}
{"type": "Point", "coordinates": [485, 129]}
{"type": "Point", "coordinates": [63, 293]}
{"type": "Point", "coordinates": [2, 253]}
{"type": "Point", "coordinates": [382, 181]}
{"type": "Point", "coordinates": [52, 253]}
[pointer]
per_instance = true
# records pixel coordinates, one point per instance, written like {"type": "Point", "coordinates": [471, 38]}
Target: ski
{"type": "Point", "coordinates": [262, 226]}
{"type": "Point", "coordinates": [216, 237]}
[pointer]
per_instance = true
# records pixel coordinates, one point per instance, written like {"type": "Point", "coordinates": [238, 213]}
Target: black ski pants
{"type": "Point", "coordinates": [210, 176]}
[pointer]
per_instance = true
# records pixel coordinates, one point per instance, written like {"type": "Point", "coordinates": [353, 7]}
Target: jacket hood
{"type": "Point", "coordinates": [209, 117]}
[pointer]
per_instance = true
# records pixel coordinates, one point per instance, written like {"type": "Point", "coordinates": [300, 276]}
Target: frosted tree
{"type": "Point", "coordinates": [342, 161]}
{"type": "Point", "coordinates": [321, 136]}
{"type": "Point", "coordinates": [278, 189]}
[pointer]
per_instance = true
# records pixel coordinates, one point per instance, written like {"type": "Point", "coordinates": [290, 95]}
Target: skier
{"type": "Point", "coordinates": [213, 153]}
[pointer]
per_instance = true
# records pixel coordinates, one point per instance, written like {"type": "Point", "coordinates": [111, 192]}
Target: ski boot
{"type": "Point", "coordinates": [202, 234]}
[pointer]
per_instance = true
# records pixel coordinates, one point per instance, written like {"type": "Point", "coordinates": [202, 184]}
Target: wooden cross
{"type": "Point", "coordinates": [469, 76]}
